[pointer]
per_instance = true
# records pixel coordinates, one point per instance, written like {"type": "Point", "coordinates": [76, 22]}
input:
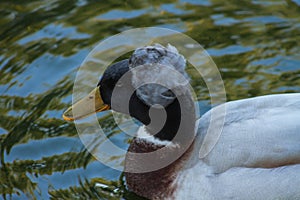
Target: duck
{"type": "Point", "coordinates": [257, 153]}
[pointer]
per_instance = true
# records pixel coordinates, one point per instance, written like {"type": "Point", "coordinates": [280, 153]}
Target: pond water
{"type": "Point", "coordinates": [255, 45]}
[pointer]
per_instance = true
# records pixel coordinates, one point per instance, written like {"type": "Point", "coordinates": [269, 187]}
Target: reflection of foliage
{"type": "Point", "coordinates": [96, 188]}
{"type": "Point", "coordinates": [14, 182]}
{"type": "Point", "coordinates": [13, 175]}
{"type": "Point", "coordinates": [25, 125]}
{"type": "Point", "coordinates": [89, 190]}
{"type": "Point", "coordinates": [257, 47]}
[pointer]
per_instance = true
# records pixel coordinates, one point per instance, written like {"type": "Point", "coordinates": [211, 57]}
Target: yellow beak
{"type": "Point", "coordinates": [90, 104]}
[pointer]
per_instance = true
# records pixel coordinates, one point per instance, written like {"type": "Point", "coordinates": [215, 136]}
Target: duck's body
{"type": "Point", "coordinates": [256, 156]}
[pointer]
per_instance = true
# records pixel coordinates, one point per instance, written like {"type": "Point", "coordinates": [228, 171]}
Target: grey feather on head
{"type": "Point", "coordinates": [158, 74]}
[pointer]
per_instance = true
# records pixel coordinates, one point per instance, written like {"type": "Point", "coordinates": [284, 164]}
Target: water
{"type": "Point", "coordinates": [255, 45]}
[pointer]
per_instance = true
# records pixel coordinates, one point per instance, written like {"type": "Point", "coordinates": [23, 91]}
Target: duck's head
{"type": "Point", "coordinates": [139, 86]}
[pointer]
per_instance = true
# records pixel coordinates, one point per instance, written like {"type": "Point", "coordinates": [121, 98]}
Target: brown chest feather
{"type": "Point", "coordinates": [157, 184]}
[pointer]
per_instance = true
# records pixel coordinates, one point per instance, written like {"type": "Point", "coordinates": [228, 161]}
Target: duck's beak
{"type": "Point", "coordinates": [88, 105]}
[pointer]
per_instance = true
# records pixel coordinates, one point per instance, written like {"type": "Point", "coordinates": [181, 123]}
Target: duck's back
{"type": "Point", "coordinates": [255, 156]}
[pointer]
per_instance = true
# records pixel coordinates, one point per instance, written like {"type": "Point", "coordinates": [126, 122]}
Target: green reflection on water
{"type": "Point", "coordinates": [254, 44]}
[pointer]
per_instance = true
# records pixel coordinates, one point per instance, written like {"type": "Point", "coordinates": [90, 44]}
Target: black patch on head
{"type": "Point", "coordinates": [109, 79]}
{"type": "Point", "coordinates": [137, 108]}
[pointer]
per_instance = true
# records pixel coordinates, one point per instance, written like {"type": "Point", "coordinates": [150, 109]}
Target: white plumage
{"type": "Point", "coordinates": [256, 157]}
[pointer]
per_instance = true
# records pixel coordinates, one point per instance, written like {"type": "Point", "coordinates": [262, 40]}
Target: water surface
{"type": "Point", "coordinates": [255, 45]}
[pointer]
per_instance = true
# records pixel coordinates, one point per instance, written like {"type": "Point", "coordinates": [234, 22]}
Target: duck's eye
{"type": "Point", "coordinates": [119, 84]}
{"type": "Point", "coordinates": [168, 94]}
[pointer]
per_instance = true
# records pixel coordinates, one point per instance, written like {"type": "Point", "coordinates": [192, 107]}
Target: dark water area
{"type": "Point", "coordinates": [255, 44]}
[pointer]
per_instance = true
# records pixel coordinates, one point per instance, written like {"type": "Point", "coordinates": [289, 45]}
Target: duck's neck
{"type": "Point", "coordinates": [179, 128]}
{"type": "Point", "coordinates": [178, 118]}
